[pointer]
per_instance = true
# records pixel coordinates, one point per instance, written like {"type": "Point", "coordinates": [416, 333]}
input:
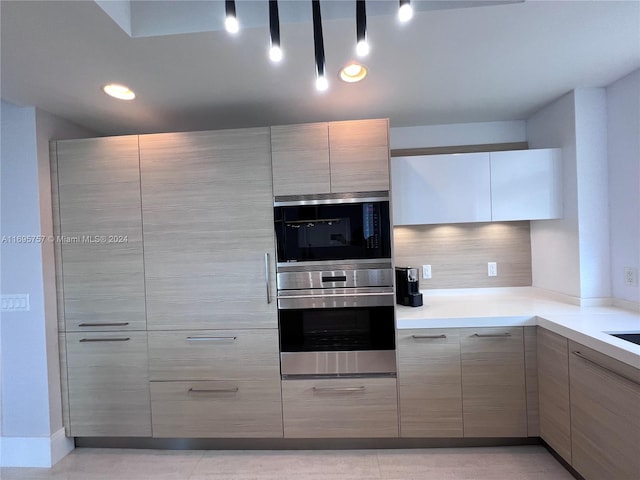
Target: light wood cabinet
{"type": "Point", "coordinates": [340, 408]}
{"type": "Point", "coordinates": [429, 383]}
{"type": "Point", "coordinates": [493, 382]}
{"type": "Point", "coordinates": [101, 227]}
{"type": "Point", "coordinates": [108, 384]}
{"type": "Point", "coordinates": [335, 157]}
{"type": "Point", "coordinates": [531, 380]}
{"type": "Point", "coordinates": [222, 409]}
{"type": "Point", "coordinates": [208, 223]}
{"type": "Point", "coordinates": [605, 415]}
{"type": "Point", "coordinates": [553, 385]}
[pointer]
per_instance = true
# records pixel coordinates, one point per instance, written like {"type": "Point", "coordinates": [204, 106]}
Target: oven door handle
{"type": "Point", "coordinates": [333, 295]}
{"type": "Point", "coordinates": [361, 388]}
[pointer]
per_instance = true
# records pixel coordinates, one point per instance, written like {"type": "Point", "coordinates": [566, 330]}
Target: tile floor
{"type": "Point", "coordinates": [490, 463]}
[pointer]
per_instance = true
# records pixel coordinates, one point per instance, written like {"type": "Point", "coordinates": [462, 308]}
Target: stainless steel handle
{"type": "Point", "coordinates": [209, 339]}
{"type": "Point", "coordinates": [491, 335]}
{"type": "Point", "coordinates": [213, 390]}
{"type": "Point", "coordinates": [104, 324]}
{"type": "Point", "coordinates": [339, 389]}
{"type": "Point", "coordinates": [428, 336]}
{"type": "Point", "coordinates": [112, 339]}
{"type": "Point", "coordinates": [267, 276]}
{"type": "Point", "coordinates": [333, 295]}
{"type": "Point", "coordinates": [586, 359]}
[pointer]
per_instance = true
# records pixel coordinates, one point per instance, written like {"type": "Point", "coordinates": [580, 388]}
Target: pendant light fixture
{"type": "Point", "coordinates": [231, 21]}
{"type": "Point", "coordinates": [405, 12]}
{"type": "Point", "coordinates": [275, 52]}
{"type": "Point", "coordinates": [318, 44]}
{"type": "Point", "coordinates": [362, 46]}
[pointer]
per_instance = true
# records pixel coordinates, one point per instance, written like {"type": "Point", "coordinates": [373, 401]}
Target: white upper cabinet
{"type": "Point", "coordinates": [477, 187]}
{"type": "Point", "coordinates": [441, 189]}
{"type": "Point", "coordinates": [526, 184]}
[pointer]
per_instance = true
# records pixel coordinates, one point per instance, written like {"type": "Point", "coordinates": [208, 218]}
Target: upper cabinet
{"type": "Point", "coordinates": [477, 187]}
{"type": "Point", "coordinates": [334, 157]}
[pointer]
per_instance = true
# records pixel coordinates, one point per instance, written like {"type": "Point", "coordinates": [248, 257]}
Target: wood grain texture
{"type": "Point", "coordinates": [605, 416]}
{"type": "Point", "coordinates": [214, 355]}
{"type": "Point", "coordinates": [553, 385]}
{"type": "Point", "coordinates": [430, 383]}
{"type": "Point", "coordinates": [458, 254]}
{"type": "Point", "coordinates": [254, 410]}
{"type": "Point", "coordinates": [99, 195]}
{"type": "Point", "coordinates": [300, 159]}
{"type": "Point", "coordinates": [57, 246]}
{"type": "Point", "coordinates": [108, 385]}
{"type": "Point", "coordinates": [493, 383]}
{"type": "Point", "coordinates": [208, 222]}
{"type": "Point", "coordinates": [368, 411]}
{"type": "Point", "coordinates": [359, 153]}
{"type": "Point", "coordinates": [531, 380]}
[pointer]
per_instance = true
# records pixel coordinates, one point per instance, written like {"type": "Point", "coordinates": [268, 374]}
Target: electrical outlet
{"type": "Point", "coordinates": [426, 271]}
{"type": "Point", "coordinates": [492, 269]}
{"type": "Point", "coordinates": [630, 276]}
{"type": "Point", "coordinates": [15, 303]}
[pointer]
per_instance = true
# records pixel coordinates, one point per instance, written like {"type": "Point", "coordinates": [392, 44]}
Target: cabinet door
{"type": "Point", "coordinates": [108, 384]}
{"type": "Point", "coordinates": [430, 189]}
{"type": "Point", "coordinates": [526, 184]}
{"type": "Point", "coordinates": [493, 382]}
{"type": "Point", "coordinates": [340, 408]}
{"type": "Point", "coordinates": [553, 385]}
{"type": "Point", "coordinates": [208, 225]}
{"type": "Point", "coordinates": [430, 383]}
{"type": "Point", "coordinates": [300, 159]}
{"type": "Point", "coordinates": [605, 415]}
{"type": "Point", "coordinates": [101, 228]}
{"type": "Point", "coordinates": [359, 152]}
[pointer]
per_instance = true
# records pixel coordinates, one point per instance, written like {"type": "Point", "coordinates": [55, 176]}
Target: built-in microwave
{"type": "Point", "coordinates": [327, 227]}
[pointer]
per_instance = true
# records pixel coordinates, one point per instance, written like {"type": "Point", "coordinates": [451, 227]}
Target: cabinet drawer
{"type": "Point", "coordinates": [347, 408]}
{"type": "Point", "coordinates": [214, 355]}
{"type": "Point", "coordinates": [223, 409]}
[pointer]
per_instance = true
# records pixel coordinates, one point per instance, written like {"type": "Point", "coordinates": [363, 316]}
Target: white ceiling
{"type": "Point", "coordinates": [454, 65]}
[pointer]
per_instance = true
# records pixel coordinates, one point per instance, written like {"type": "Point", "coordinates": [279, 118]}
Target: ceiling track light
{"type": "Point", "coordinates": [362, 46]}
{"type": "Point", "coordinates": [405, 12]}
{"type": "Point", "coordinates": [275, 51]}
{"type": "Point", "coordinates": [318, 45]}
{"type": "Point", "coordinates": [231, 20]}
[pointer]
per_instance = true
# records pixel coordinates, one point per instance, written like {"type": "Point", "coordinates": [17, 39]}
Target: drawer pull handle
{"type": "Point", "coordinates": [339, 389]}
{"type": "Point", "coordinates": [586, 359]}
{"type": "Point", "coordinates": [420, 337]}
{"type": "Point", "coordinates": [113, 339]}
{"type": "Point", "coordinates": [267, 276]}
{"type": "Point", "coordinates": [213, 390]}
{"type": "Point", "coordinates": [210, 339]}
{"type": "Point", "coordinates": [491, 335]}
{"type": "Point", "coordinates": [104, 324]}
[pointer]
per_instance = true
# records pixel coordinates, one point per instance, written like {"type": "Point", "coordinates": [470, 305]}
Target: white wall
{"type": "Point", "coordinates": [623, 127]}
{"type": "Point", "coordinates": [31, 401]}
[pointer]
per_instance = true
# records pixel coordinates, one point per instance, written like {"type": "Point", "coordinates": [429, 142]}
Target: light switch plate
{"type": "Point", "coordinates": [426, 271]}
{"type": "Point", "coordinates": [15, 302]}
{"type": "Point", "coordinates": [492, 269]}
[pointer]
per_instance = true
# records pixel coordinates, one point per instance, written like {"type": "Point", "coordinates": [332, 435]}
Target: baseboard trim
{"type": "Point", "coordinates": [36, 452]}
{"type": "Point", "coordinates": [563, 462]}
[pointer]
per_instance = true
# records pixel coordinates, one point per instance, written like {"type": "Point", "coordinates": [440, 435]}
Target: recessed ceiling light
{"type": "Point", "coordinates": [121, 92]}
{"type": "Point", "coordinates": [354, 72]}
{"type": "Point", "coordinates": [405, 12]}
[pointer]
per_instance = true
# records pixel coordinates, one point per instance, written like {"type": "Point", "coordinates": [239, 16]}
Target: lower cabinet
{"type": "Point", "coordinates": [430, 383]}
{"type": "Point", "coordinates": [108, 384]}
{"type": "Point", "coordinates": [340, 408]}
{"type": "Point", "coordinates": [605, 415]}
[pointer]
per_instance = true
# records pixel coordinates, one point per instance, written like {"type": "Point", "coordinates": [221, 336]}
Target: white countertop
{"type": "Point", "coordinates": [498, 307]}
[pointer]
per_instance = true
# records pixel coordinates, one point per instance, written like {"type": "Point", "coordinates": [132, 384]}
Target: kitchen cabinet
{"type": "Point", "coordinates": [207, 206]}
{"type": "Point", "coordinates": [531, 380]}
{"type": "Point", "coordinates": [340, 408]}
{"type": "Point", "coordinates": [108, 384]}
{"type": "Point", "coordinates": [553, 385]}
{"type": "Point", "coordinates": [477, 187]}
{"type": "Point", "coordinates": [335, 157]}
{"type": "Point", "coordinates": [100, 261]}
{"type": "Point", "coordinates": [605, 415]}
{"type": "Point", "coordinates": [429, 383]}
{"type": "Point", "coordinates": [493, 382]}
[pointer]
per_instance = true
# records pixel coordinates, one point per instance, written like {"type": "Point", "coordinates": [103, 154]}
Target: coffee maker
{"type": "Point", "coordinates": [408, 287]}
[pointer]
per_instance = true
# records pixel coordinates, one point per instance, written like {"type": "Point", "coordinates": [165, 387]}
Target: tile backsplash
{"type": "Point", "coordinates": [458, 253]}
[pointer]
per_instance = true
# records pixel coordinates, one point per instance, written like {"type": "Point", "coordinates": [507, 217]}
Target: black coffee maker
{"type": "Point", "coordinates": [408, 287]}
